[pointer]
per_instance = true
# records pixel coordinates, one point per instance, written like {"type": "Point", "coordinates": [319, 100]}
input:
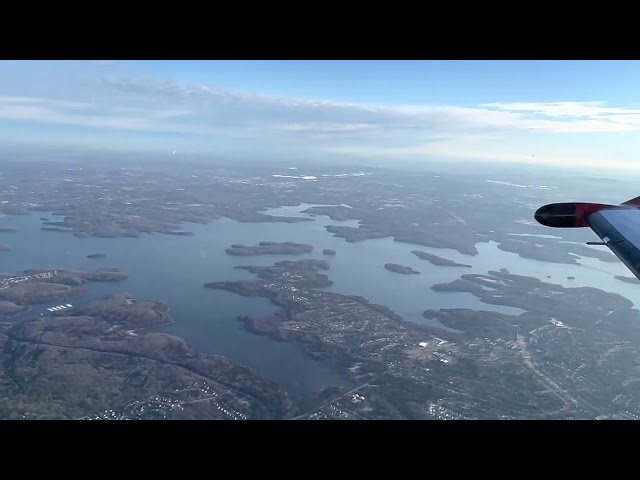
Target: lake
{"type": "Point", "coordinates": [174, 268]}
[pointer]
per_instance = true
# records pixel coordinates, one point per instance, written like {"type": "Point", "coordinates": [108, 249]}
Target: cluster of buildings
{"type": "Point", "coordinates": [162, 407]}
{"type": "Point", "coordinates": [7, 282]}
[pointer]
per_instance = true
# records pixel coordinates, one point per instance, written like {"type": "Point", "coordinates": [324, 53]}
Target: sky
{"type": "Point", "coordinates": [563, 113]}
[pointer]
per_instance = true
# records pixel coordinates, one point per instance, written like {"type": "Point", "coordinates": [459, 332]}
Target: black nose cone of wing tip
{"type": "Point", "coordinates": [557, 215]}
{"type": "Point", "coordinates": [542, 215]}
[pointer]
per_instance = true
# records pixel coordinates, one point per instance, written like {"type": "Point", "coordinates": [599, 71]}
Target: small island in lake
{"type": "Point", "coordinates": [97, 255]}
{"type": "Point", "coordinates": [624, 279]}
{"type": "Point", "coordinates": [436, 260]}
{"type": "Point", "coordinates": [4, 248]}
{"type": "Point", "coordinates": [269, 248]}
{"type": "Point", "coordinates": [7, 230]}
{"type": "Point", "coordinates": [183, 234]}
{"type": "Point", "coordinates": [328, 251]}
{"type": "Point", "coordinates": [394, 267]}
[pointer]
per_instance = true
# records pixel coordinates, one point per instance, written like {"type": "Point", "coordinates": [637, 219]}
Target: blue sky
{"type": "Point", "coordinates": [548, 112]}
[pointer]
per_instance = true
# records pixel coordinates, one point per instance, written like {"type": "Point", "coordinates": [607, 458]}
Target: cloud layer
{"type": "Point", "coordinates": [122, 105]}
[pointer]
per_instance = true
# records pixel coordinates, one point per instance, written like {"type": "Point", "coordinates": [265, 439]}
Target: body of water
{"type": "Point", "coordinates": [173, 269]}
{"type": "Point", "coordinates": [358, 268]}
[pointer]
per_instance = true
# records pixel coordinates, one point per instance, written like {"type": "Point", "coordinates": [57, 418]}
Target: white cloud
{"type": "Point", "coordinates": [327, 116]}
{"type": "Point", "coordinates": [564, 109]}
{"type": "Point", "coordinates": [101, 116]}
{"type": "Point", "coordinates": [572, 117]}
{"type": "Point", "coordinates": [120, 104]}
{"type": "Point", "coordinates": [482, 148]}
{"type": "Point", "coordinates": [328, 127]}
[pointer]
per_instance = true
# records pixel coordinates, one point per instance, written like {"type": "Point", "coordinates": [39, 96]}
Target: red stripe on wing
{"type": "Point", "coordinates": [583, 210]}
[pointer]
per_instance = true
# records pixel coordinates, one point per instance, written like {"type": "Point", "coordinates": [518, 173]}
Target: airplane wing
{"type": "Point", "coordinates": [617, 225]}
{"type": "Point", "coordinates": [619, 229]}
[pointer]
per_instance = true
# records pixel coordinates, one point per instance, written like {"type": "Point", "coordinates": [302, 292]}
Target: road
{"type": "Point", "coordinates": [299, 417]}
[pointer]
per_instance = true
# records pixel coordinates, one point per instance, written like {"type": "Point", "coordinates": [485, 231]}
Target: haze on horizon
{"type": "Point", "coordinates": [560, 113]}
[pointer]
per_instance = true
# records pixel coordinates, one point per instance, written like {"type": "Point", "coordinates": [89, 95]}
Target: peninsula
{"type": "Point", "coordinates": [34, 287]}
{"type": "Point", "coordinates": [303, 273]}
{"type": "Point", "coordinates": [97, 361]}
{"type": "Point", "coordinates": [484, 365]}
{"type": "Point", "coordinates": [9, 309]}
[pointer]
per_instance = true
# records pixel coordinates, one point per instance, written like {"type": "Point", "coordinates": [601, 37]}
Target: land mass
{"type": "Point", "coordinates": [97, 255]}
{"type": "Point", "coordinates": [455, 210]}
{"type": "Point", "coordinates": [436, 260]}
{"type": "Point", "coordinates": [48, 286]}
{"type": "Point", "coordinates": [394, 267]}
{"type": "Point", "coordinates": [7, 230]}
{"type": "Point", "coordinates": [4, 248]}
{"type": "Point", "coordinates": [485, 364]}
{"type": "Point", "coordinates": [97, 362]}
{"type": "Point", "coordinates": [270, 248]}
{"type": "Point", "coordinates": [328, 251]}
{"type": "Point", "coordinates": [9, 309]}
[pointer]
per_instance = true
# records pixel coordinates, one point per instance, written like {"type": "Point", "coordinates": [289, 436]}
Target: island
{"type": "Point", "coordinates": [34, 287]}
{"type": "Point", "coordinates": [54, 229]}
{"type": "Point", "coordinates": [4, 248]}
{"type": "Point", "coordinates": [97, 255]}
{"type": "Point", "coordinates": [270, 248]}
{"type": "Point", "coordinates": [436, 260]}
{"type": "Point", "coordinates": [182, 233]}
{"type": "Point", "coordinates": [394, 267]}
{"type": "Point", "coordinates": [328, 251]}
{"type": "Point", "coordinates": [625, 279]}
{"type": "Point", "coordinates": [44, 219]}
{"type": "Point", "coordinates": [100, 361]}
{"type": "Point", "coordinates": [7, 230]}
